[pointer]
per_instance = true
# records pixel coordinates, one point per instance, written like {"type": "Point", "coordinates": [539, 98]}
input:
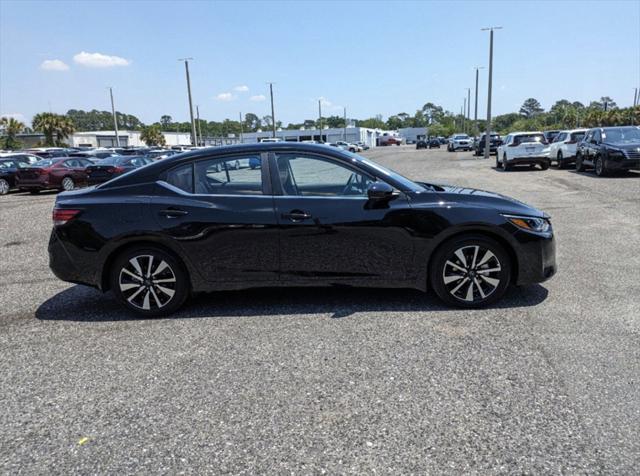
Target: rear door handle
{"type": "Point", "coordinates": [296, 215]}
{"type": "Point", "coordinates": [173, 212]}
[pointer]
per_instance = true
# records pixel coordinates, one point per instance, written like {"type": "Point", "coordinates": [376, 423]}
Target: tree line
{"type": "Point", "coordinates": [563, 114]}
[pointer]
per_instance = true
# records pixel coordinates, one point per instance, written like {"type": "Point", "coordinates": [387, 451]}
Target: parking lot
{"type": "Point", "coordinates": [337, 380]}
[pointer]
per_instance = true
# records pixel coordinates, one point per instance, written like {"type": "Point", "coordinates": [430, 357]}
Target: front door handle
{"type": "Point", "coordinates": [173, 212]}
{"type": "Point", "coordinates": [296, 215]}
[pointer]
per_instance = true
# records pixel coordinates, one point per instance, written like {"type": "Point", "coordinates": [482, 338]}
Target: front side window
{"type": "Point", "coordinates": [317, 176]}
{"type": "Point", "coordinates": [239, 175]}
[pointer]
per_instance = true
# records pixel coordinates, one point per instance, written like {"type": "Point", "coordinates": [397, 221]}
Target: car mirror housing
{"type": "Point", "coordinates": [380, 192]}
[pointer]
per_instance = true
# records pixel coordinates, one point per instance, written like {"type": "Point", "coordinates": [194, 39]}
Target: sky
{"type": "Point", "coordinates": [371, 57]}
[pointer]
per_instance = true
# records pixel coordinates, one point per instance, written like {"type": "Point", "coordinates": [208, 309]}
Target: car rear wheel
{"type": "Point", "coordinates": [149, 281]}
{"type": "Point", "coordinates": [68, 184]}
{"type": "Point", "coordinates": [498, 163]}
{"type": "Point", "coordinates": [505, 165]}
{"type": "Point", "coordinates": [601, 168]}
{"type": "Point", "coordinates": [4, 187]}
{"type": "Point", "coordinates": [544, 165]}
{"type": "Point", "coordinates": [470, 271]}
{"type": "Point", "coordinates": [559, 160]}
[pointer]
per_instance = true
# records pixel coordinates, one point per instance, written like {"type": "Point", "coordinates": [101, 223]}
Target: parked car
{"type": "Point", "coordinates": [609, 149]}
{"type": "Point", "coordinates": [48, 152]}
{"type": "Point", "coordinates": [8, 170]}
{"type": "Point", "coordinates": [389, 139]}
{"type": "Point", "coordinates": [94, 155]}
{"type": "Point", "coordinates": [20, 156]}
{"type": "Point", "coordinates": [422, 144]}
{"type": "Point", "coordinates": [550, 135]}
{"type": "Point", "coordinates": [348, 146]}
{"type": "Point", "coordinates": [111, 167]}
{"type": "Point", "coordinates": [60, 173]}
{"type": "Point", "coordinates": [564, 147]}
{"type": "Point", "coordinates": [310, 216]}
{"type": "Point", "coordinates": [459, 142]}
{"type": "Point", "coordinates": [523, 148]}
{"type": "Point", "coordinates": [160, 154]}
{"type": "Point", "coordinates": [494, 143]}
{"type": "Point", "coordinates": [362, 145]}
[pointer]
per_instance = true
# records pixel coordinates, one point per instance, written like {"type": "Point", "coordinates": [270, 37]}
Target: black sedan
{"type": "Point", "coordinates": [609, 149]}
{"type": "Point", "coordinates": [308, 215]}
{"type": "Point", "coordinates": [111, 167]}
{"type": "Point", "coordinates": [428, 144]}
{"type": "Point", "coordinates": [8, 170]}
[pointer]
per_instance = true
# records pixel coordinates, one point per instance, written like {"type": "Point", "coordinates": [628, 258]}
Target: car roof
{"type": "Point", "coordinates": [524, 133]}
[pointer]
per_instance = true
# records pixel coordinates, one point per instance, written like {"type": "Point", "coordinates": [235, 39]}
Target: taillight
{"type": "Point", "coordinates": [63, 215]}
{"type": "Point", "coordinates": [44, 171]}
{"type": "Point", "coordinates": [118, 170]}
{"type": "Point", "coordinates": [111, 170]}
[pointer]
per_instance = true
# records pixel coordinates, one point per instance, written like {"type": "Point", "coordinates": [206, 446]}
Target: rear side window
{"type": "Point", "coordinates": [239, 175]}
{"type": "Point", "coordinates": [577, 136]}
{"type": "Point", "coordinates": [181, 177]}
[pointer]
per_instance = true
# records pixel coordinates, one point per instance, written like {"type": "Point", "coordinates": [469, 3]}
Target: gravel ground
{"type": "Point", "coordinates": [336, 381]}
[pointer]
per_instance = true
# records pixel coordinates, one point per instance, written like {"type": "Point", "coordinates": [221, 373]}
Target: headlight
{"type": "Point", "coordinates": [540, 225]}
{"type": "Point", "coordinates": [616, 153]}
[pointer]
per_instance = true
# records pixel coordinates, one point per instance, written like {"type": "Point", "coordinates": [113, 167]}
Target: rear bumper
{"type": "Point", "coordinates": [36, 184]}
{"type": "Point", "coordinates": [65, 267]}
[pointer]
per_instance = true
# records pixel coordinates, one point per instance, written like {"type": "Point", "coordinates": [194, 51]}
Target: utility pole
{"type": "Point", "coordinates": [115, 120]}
{"type": "Point", "coordinates": [345, 125]}
{"type": "Point", "coordinates": [469, 104]}
{"type": "Point", "coordinates": [320, 119]}
{"type": "Point", "coordinates": [475, 114]}
{"type": "Point", "coordinates": [636, 99]}
{"type": "Point", "coordinates": [273, 115]}
{"type": "Point", "coordinates": [193, 123]}
{"type": "Point", "coordinates": [200, 141]}
{"type": "Point", "coordinates": [464, 109]}
{"type": "Point", "coordinates": [487, 137]}
{"type": "Point", "coordinates": [241, 132]}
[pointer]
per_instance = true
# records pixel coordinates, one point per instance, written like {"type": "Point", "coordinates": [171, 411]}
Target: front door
{"type": "Point", "coordinates": [329, 229]}
{"type": "Point", "coordinates": [220, 212]}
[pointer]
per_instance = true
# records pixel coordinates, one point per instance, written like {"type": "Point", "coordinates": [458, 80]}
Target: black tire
{"type": "Point", "coordinates": [601, 167]}
{"type": "Point", "coordinates": [4, 187]}
{"type": "Point", "coordinates": [545, 165]}
{"type": "Point", "coordinates": [498, 163]}
{"type": "Point", "coordinates": [505, 165]}
{"type": "Point", "coordinates": [579, 164]}
{"type": "Point", "coordinates": [171, 295]}
{"type": "Point", "coordinates": [559, 159]}
{"type": "Point", "coordinates": [456, 291]}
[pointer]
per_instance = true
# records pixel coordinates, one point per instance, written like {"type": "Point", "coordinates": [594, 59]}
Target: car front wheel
{"type": "Point", "coordinates": [4, 187]}
{"type": "Point", "coordinates": [68, 184]}
{"type": "Point", "coordinates": [601, 168]}
{"type": "Point", "coordinates": [149, 281]}
{"type": "Point", "coordinates": [579, 164]}
{"type": "Point", "coordinates": [559, 160]}
{"type": "Point", "coordinates": [470, 271]}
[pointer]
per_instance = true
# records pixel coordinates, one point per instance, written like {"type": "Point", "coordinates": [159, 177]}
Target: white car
{"type": "Point", "coordinates": [350, 147]}
{"type": "Point", "coordinates": [523, 148]}
{"type": "Point", "coordinates": [564, 146]}
{"type": "Point", "coordinates": [459, 142]}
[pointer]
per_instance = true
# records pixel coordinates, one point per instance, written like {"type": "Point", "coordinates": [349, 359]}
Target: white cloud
{"type": "Point", "coordinates": [225, 97]}
{"type": "Point", "coordinates": [326, 104]}
{"type": "Point", "coordinates": [258, 98]}
{"type": "Point", "coordinates": [54, 65]}
{"type": "Point", "coordinates": [98, 60]}
{"type": "Point", "coordinates": [241, 89]}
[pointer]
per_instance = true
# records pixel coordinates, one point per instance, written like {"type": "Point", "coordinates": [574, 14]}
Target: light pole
{"type": "Point", "coordinates": [487, 143]}
{"type": "Point", "coordinates": [199, 141]}
{"type": "Point", "coordinates": [464, 109]}
{"type": "Point", "coordinates": [345, 125]}
{"type": "Point", "coordinates": [475, 114]}
{"type": "Point", "coordinates": [273, 116]}
{"type": "Point", "coordinates": [241, 133]}
{"type": "Point", "coordinates": [193, 123]}
{"type": "Point", "coordinates": [468, 103]}
{"type": "Point", "coordinates": [320, 119]}
{"type": "Point", "coordinates": [115, 120]}
{"type": "Point", "coordinates": [636, 99]}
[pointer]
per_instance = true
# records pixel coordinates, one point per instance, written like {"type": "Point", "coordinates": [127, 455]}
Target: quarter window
{"type": "Point", "coordinates": [181, 177]}
{"type": "Point", "coordinates": [239, 175]}
{"type": "Point", "coordinates": [317, 176]}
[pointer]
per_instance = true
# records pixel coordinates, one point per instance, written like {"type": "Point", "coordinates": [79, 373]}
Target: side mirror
{"type": "Point", "coordinates": [380, 192]}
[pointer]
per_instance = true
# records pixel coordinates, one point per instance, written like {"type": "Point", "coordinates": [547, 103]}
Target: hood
{"type": "Point", "coordinates": [476, 198]}
{"type": "Point", "coordinates": [627, 146]}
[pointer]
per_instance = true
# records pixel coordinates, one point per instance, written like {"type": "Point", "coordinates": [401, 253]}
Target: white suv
{"type": "Point", "coordinates": [564, 145]}
{"type": "Point", "coordinates": [460, 141]}
{"type": "Point", "coordinates": [523, 148]}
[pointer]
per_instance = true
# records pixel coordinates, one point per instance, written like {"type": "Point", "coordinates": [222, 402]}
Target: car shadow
{"type": "Point", "coordinates": [84, 304]}
{"type": "Point", "coordinates": [624, 174]}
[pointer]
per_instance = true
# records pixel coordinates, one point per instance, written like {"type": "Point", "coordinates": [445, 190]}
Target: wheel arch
{"type": "Point", "coordinates": [484, 232]}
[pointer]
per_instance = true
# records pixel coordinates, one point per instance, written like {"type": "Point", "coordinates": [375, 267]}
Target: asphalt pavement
{"type": "Point", "coordinates": [336, 380]}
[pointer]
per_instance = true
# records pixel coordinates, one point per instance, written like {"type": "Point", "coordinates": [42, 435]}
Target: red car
{"type": "Point", "coordinates": [60, 173]}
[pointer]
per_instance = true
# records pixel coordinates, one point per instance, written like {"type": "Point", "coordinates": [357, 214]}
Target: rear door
{"type": "Point", "coordinates": [222, 217]}
{"type": "Point", "coordinates": [330, 232]}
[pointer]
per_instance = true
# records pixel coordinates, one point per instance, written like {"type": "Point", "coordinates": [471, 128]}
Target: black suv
{"type": "Point", "coordinates": [608, 149]}
{"type": "Point", "coordinates": [494, 142]}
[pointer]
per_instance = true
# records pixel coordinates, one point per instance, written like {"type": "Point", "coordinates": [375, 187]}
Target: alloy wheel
{"type": "Point", "coordinates": [472, 273]}
{"type": "Point", "coordinates": [600, 170]}
{"type": "Point", "coordinates": [147, 282]}
{"type": "Point", "coordinates": [4, 187]}
{"type": "Point", "coordinates": [67, 184]}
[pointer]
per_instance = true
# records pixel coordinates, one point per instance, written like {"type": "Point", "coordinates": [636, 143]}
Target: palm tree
{"type": "Point", "coordinates": [11, 128]}
{"type": "Point", "coordinates": [152, 136]}
{"type": "Point", "coordinates": [55, 127]}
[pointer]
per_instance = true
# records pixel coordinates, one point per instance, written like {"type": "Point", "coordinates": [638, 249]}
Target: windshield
{"type": "Point", "coordinates": [44, 163]}
{"type": "Point", "coordinates": [622, 135]}
{"type": "Point", "coordinates": [460, 137]}
{"type": "Point", "coordinates": [407, 185]}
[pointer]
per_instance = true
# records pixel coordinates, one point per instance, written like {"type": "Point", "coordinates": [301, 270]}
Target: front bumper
{"type": "Point", "coordinates": [623, 164]}
{"type": "Point", "coordinates": [536, 257]}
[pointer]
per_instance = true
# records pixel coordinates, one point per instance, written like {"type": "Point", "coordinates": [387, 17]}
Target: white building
{"type": "Point", "coordinates": [127, 139]}
{"type": "Point", "coordinates": [411, 135]}
{"type": "Point", "coordinates": [350, 134]}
